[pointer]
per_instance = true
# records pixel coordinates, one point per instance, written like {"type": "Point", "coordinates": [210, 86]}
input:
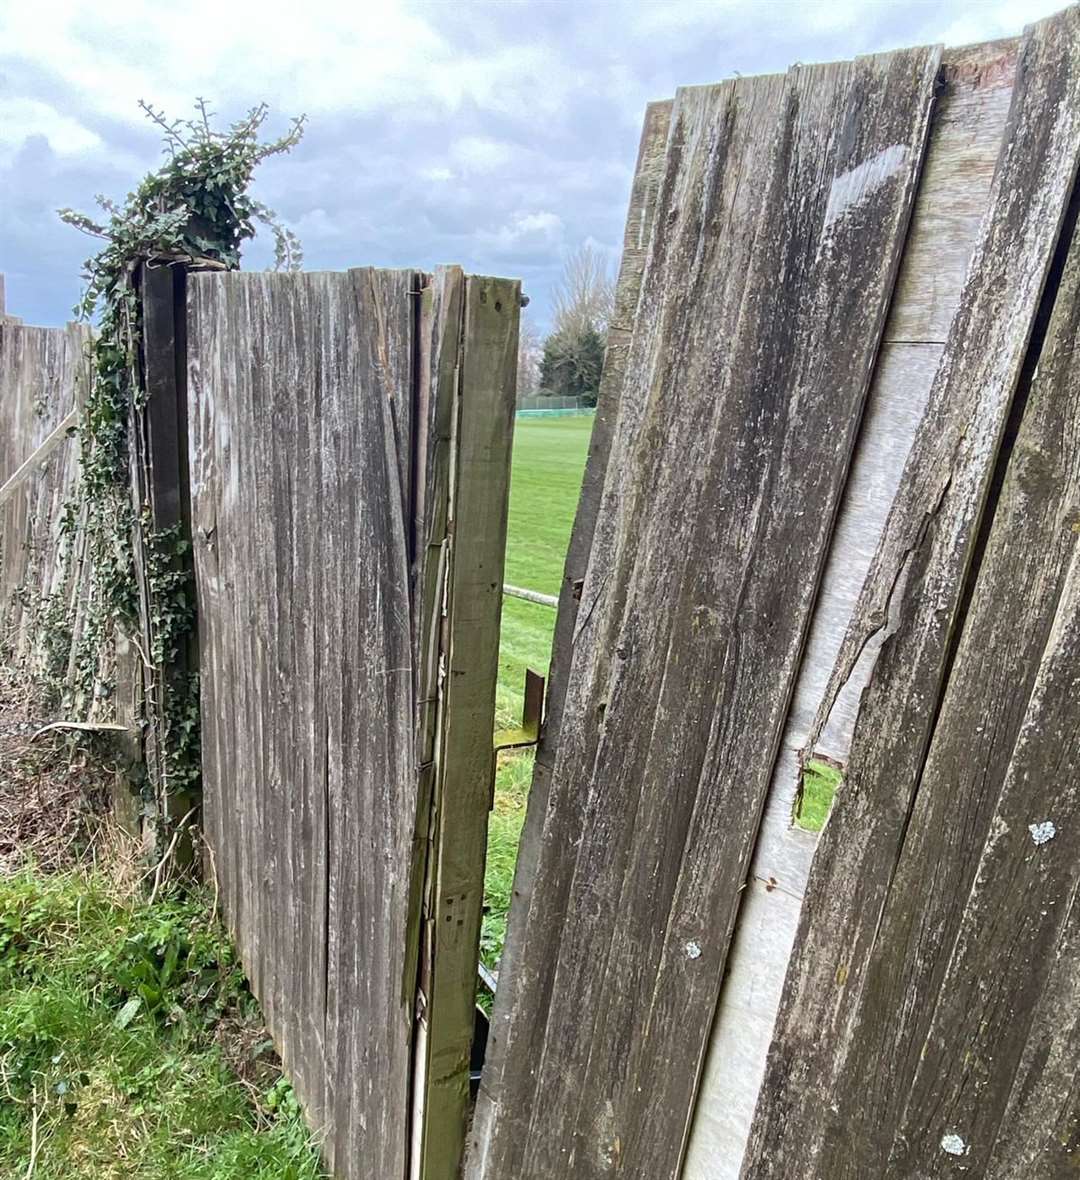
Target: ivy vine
{"type": "Point", "coordinates": [195, 209]}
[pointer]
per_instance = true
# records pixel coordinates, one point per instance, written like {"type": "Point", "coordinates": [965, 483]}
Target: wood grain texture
{"type": "Point", "coordinates": [964, 143]}
{"type": "Point", "coordinates": [439, 361]}
{"type": "Point", "coordinates": [307, 665]}
{"type": "Point", "coordinates": [350, 468]}
{"type": "Point", "coordinates": [44, 378]}
{"type": "Point", "coordinates": [783, 206]}
{"type": "Point", "coordinates": [465, 762]}
{"type": "Point", "coordinates": [1003, 760]}
{"type": "Point", "coordinates": [827, 1109]}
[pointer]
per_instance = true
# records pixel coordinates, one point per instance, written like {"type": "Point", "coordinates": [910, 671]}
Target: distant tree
{"type": "Point", "coordinates": [572, 364]}
{"type": "Point", "coordinates": [584, 294]}
{"type": "Point", "coordinates": [574, 352]}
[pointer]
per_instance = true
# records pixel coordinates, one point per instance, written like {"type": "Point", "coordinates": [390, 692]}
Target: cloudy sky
{"type": "Point", "coordinates": [494, 133]}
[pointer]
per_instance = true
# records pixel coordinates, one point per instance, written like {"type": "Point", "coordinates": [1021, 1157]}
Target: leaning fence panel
{"type": "Point", "coordinates": [725, 472]}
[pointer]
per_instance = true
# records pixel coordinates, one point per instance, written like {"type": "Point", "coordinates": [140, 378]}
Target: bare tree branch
{"type": "Point", "coordinates": [584, 294]}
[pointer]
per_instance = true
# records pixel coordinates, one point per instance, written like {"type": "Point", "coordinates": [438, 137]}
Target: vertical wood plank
{"type": "Point", "coordinates": [638, 235]}
{"type": "Point", "coordinates": [477, 522]}
{"type": "Point", "coordinates": [298, 384]}
{"type": "Point", "coordinates": [439, 357]}
{"type": "Point", "coordinates": [954, 187]}
{"type": "Point", "coordinates": [983, 891]}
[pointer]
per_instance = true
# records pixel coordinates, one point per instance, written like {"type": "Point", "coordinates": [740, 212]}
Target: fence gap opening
{"type": "Point", "coordinates": [819, 781]}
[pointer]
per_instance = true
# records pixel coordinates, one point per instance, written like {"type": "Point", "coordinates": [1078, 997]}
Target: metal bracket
{"type": "Point", "coordinates": [532, 715]}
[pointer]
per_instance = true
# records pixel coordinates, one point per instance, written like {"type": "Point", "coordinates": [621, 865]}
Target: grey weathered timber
{"type": "Point", "coordinates": [306, 661]}
{"type": "Point", "coordinates": [784, 202]}
{"type": "Point", "coordinates": [350, 442]}
{"type": "Point", "coordinates": [827, 1108]}
{"type": "Point", "coordinates": [482, 430]}
{"type": "Point", "coordinates": [43, 381]}
{"type": "Point", "coordinates": [439, 356]}
{"type": "Point", "coordinates": [1004, 760]}
{"type": "Point", "coordinates": [962, 151]}
{"type": "Point", "coordinates": [60, 434]}
{"type": "Point", "coordinates": [505, 1027]}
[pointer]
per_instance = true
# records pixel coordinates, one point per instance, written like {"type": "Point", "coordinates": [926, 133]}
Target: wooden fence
{"type": "Point", "coordinates": [831, 507]}
{"type": "Point", "coordinates": [43, 376]}
{"type": "Point", "coordinates": [350, 442]}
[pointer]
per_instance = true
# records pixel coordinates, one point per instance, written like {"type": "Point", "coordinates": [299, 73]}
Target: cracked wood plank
{"type": "Point", "coordinates": [814, 1114]}
{"type": "Point", "coordinates": [954, 188]}
{"type": "Point", "coordinates": [996, 824]}
{"type": "Point", "coordinates": [773, 190]}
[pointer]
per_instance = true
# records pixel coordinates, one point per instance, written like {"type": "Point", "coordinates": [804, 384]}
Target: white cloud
{"type": "Point", "coordinates": [22, 118]}
{"type": "Point", "coordinates": [317, 226]}
{"type": "Point", "coordinates": [477, 153]}
{"type": "Point", "coordinates": [524, 230]}
{"type": "Point", "coordinates": [324, 56]}
{"type": "Point", "coordinates": [500, 135]}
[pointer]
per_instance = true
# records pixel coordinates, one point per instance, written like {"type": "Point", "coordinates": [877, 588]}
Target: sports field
{"type": "Point", "coordinates": [549, 460]}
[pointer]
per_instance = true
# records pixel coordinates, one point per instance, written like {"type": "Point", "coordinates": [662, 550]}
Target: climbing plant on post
{"type": "Point", "coordinates": [132, 505]}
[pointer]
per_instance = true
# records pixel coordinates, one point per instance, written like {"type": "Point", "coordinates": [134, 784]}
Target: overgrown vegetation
{"type": "Point", "coordinates": [54, 786]}
{"type": "Point", "coordinates": [130, 1045]}
{"type": "Point", "coordinates": [195, 209]}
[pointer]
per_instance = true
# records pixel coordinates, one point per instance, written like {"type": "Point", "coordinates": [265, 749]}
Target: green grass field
{"type": "Point", "coordinates": [549, 460]}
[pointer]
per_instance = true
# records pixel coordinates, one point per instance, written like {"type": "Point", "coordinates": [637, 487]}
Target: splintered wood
{"type": "Point", "coordinates": [833, 508]}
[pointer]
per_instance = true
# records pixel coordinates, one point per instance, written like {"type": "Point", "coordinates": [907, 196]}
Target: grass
{"type": "Point", "coordinates": [549, 460]}
{"type": "Point", "coordinates": [819, 783]}
{"type": "Point", "coordinates": [130, 1046]}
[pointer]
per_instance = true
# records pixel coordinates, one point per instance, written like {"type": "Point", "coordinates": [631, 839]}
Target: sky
{"type": "Point", "coordinates": [497, 134]}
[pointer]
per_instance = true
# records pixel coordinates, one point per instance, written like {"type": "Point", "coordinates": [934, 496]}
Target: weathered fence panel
{"type": "Point", "coordinates": [965, 140]}
{"type": "Point", "coordinates": [84, 670]}
{"type": "Point", "coordinates": [43, 381]}
{"type": "Point", "coordinates": [915, 1033]}
{"type": "Point", "coordinates": [849, 1002]}
{"type": "Point", "coordinates": [784, 202]}
{"type": "Point", "coordinates": [349, 456]}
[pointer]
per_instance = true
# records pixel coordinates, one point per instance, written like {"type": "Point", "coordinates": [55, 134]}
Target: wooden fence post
{"type": "Point", "coordinates": [482, 430]}
{"type": "Point", "coordinates": [162, 502]}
